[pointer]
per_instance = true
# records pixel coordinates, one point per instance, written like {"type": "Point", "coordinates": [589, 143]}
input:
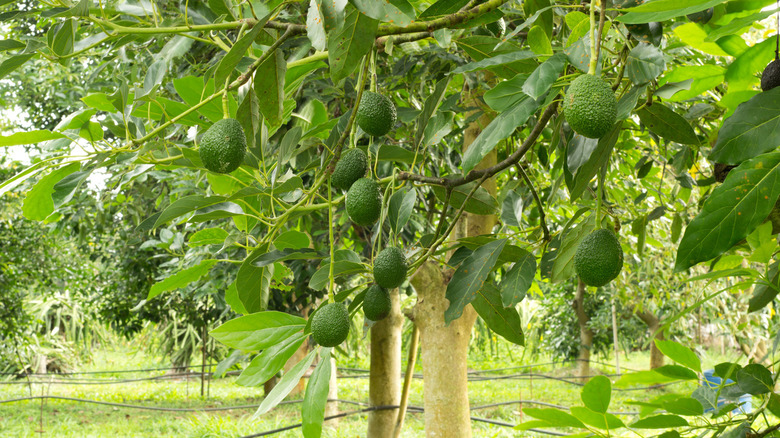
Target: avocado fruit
{"type": "Point", "coordinates": [770, 78]}
{"type": "Point", "coordinates": [364, 203]}
{"type": "Point", "coordinates": [351, 167]}
{"type": "Point", "coordinates": [330, 324]}
{"type": "Point", "coordinates": [390, 268]}
{"type": "Point", "coordinates": [590, 106]}
{"type": "Point", "coordinates": [376, 114]}
{"type": "Point", "coordinates": [222, 146]}
{"type": "Point", "coordinates": [599, 258]}
{"type": "Point", "coordinates": [376, 303]}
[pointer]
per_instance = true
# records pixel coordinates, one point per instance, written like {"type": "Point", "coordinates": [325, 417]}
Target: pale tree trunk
{"type": "Point", "coordinates": [445, 347]}
{"type": "Point", "coordinates": [653, 323]}
{"type": "Point", "coordinates": [384, 387]}
{"type": "Point", "coordinates": [586, 334]}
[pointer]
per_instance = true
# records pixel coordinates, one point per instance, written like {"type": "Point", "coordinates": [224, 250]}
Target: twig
{"type": "Point", "coordinates": [542, 221]}
{"type": "Point", "coordinates": [492, 170]}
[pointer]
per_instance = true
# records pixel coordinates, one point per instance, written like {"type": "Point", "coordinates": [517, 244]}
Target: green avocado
{"type": "Point", "coordinates": [599, 258]}
{"type": "Point", "coordinates": [390, 268]}
{"type": "Point", "coordinates": [376, 303]}
{"type": "Point", "coordinates": [351, 167]}
{"type": "Point", "coordinates": [222, 146]}
{"type": "Point", "coordinates": [376, 114]}
{"type": "Point", "coordinates": [330, 325]}
{"type": "Point", "coordinates": [364, 203]}
{"type": "Point", "coordinates": [590, 106]}
{"type": "Point", "coordinates": [771, 76]}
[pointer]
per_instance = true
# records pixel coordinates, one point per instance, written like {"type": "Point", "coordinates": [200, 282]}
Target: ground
{"type": "Point", "coordinates": [57, 418]}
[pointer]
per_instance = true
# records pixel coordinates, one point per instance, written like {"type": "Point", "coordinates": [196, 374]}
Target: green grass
{"type": "Point", "coordinates": [69, 419]}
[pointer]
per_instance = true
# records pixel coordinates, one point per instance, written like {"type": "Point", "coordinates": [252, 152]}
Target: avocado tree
{"type": "Point", "coordinates": [497, 137]}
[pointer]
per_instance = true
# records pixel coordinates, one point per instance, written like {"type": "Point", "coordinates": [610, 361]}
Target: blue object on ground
{"type": "Point", "coordinates": [745, 401]}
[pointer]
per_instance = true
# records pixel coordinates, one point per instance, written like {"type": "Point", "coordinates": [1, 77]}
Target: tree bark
{"type": "Point", "coordinates": [443, 355]}
{"type": "Point", "coordinates": [586, 334]}
{"type": "Point", "coordinates": [652, 322]}
{"type": "Point", "coordinates": [384, 387]}
{"type": "Point", "coordinates": [445, 347]}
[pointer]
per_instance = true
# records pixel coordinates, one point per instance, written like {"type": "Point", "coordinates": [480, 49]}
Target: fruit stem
{"type": "Point", "coordinates": [600, 195]}
{"type": "Point", "coordinates": [593, 54]}
{"type": "Point", "coordinates": [331, 297]}
{"type": "Point", "coordinates": [225, 110]}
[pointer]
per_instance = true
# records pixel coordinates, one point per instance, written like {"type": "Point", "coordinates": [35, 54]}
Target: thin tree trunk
{"type": "Point", "coordinates": [652, 322]}
{"type": "Point", "coordinates": [586, 334]}
{"type": "Point", "coordinates": [443, 355]}
{"type": "Point", "coordinates": [445, 347]}
{"type": "Point", "coordinates": [384, 387]}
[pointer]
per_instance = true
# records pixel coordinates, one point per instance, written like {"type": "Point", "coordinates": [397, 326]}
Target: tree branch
{"type": "Point", "coordinates": [492, 170]}
{"type": "Point", "coordinates": [542, 217]}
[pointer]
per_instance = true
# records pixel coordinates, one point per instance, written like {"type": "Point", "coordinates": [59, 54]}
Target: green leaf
{"type": "Point", "coordinates": [504, 58]}
{"type": "Point", "coordinates": [292, 239]}
{"type": "Point", "coordinates": [741, 73]}
{"type": "Point", "coordinates": [660, 422]}
{"type": "Point", "coordinates": [504, 321]}
{"type": "Point", "coordinates": [596, 161]}
{"type": "Point", "coordinates": [229, 62]}
{"type": "Point", "coordinates": [755, 379]}
{"type": "Point", "coordinates": [386, 11]}
{"type": "Point", "coordinates": [432, 102]}
{"type": "Point", "coordinates": [10, 64]}
{"type": "Point", "coordinates": [540, 81]}
{"type": "Point", "coordinates": [662, 10]}
{"type": "Point", "coordinates": [554, 417]}
{"type": "Point", "coordinates": [348, 45]}
{"type": "Point", "coordinates": [437, 128]}
{"type": "Point", "coordinates": [316, 397]}
{"type": "Point", "coordinates": [649, 377]}
{"type": "Point", "coordinates": [443, 7]}
{"type": "Point", "coordinates": [61, 37]}
{"type": "Point", "coordinates": [482, 202]}
{"type": "Point", "coordinates": [400, 209]}
{"type": "Point", "coordinates": [181, 278]}
{"type": "Point", "coordinates": [737, 25]}
{"type": "Point", "coordinates": [563, 266]}
{"type": "Point", "coordinates": [286, 384]}
{"type": "Point", "coordinates": [737, 432]}
{"type": "Point", "coordinates": [645, 63]}
{"type": "Point", "coordinates": [518, 280]}
{"type": "Point", "coordinates": [38, 203]}
{"type": "Point", "coordinates": [29, 137]}
{"type": "Point", "coordinates": [289, 144]}
{"type": "Point", "coordinates": [705, 77]}
{"type": "Point", "coordinates": [676, 372]}
{"type": "Point", "coordinates": [684, 406]}
{"type": "Point", "coordinates": [208, 236]}
{"type": "Point", "coordinates": [507, 93]}
{"type": "Point", "coordinates": [764, 293]}
{"type": "Point", "coordinates": [499, 128]}
{"type": "Point", "coordinates": [323, 16]}
{"type": "Point", "coordinates": [64, 190]}
{"type": "Point", "coordinates": [668, 124]}
{"type": "Point", "coordinates": [596, 394]}
{"type": "Point", "coordinates": [470, 277]}
{"type": "Point", "coordinates": [253, 282]}
{"type": "Point", "coordinates": [539, 41]}
{"type": "Point", "coordinates": [185, 205]}
{"type": "Point", "coordinates": [732, 211]}
{"type": "Point", "coordinates": [9, 44]}
{"type": "Point", "coordinates": [679, 353]}
{"type": "Point", "coordinates": [258, 331]}
{"type": "Point", "coordinates": [191, 89]}
{"type": "Point", "coordinates": [596, 419]}
{"type": "Point", "coordinates": [753, 129]}
{"type": "Point", "coordinates": [695, 36]}
{"type": "Point", "coordinates": [269, 87]}
{"type": "Point", "coordinates": [270, 361]}
{"type": "Point", "coordinates": [320, 278]}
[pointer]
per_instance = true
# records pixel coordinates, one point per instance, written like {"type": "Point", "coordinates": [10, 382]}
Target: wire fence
{"type": "Point", "coordinates": [345, 373]}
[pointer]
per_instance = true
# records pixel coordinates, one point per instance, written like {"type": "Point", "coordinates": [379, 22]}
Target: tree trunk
{"type": "Point", "coordinates": [384, 387]}
{"type": "Point", "coordinates": [652, 322]}
{"type": "Point", "coordinates": [444, 352]}
{"type": "Point", "coordinates": [445, 347]}
{"type": "Point", "coordinates": [586, 334]}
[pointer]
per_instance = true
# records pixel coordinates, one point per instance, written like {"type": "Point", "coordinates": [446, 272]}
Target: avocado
{"type": "Point", "coordinates": [351, 167]}
{"type": "Point", "coordinates": [364, 203]}
{"type": "Point", "coordinates": [376, 114]}
{"type": "Point", "coordinates": [599, 258]}
{"type": "Point", "coordinates": [376, 303]}
{"type": "Point", "coordinates": [330, 325]}
{"type": "Point", "coordinates": [770, 78]}
{"type": "Point", "coordinates": [590, 106]}
{"type": "Point", "coordinates": [390, 268]}
{"type": "Point", "coordinates": [222, 146]}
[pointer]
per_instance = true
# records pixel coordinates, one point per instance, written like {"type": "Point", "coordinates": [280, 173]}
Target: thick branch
{"type": "Point", "coordinates": [492, 170]}
{"type": "Point", "coordinates": [440, 23]}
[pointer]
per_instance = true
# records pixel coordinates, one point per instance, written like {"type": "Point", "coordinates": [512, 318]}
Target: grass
{"type": "Point", "coordinates": [55, 418]}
